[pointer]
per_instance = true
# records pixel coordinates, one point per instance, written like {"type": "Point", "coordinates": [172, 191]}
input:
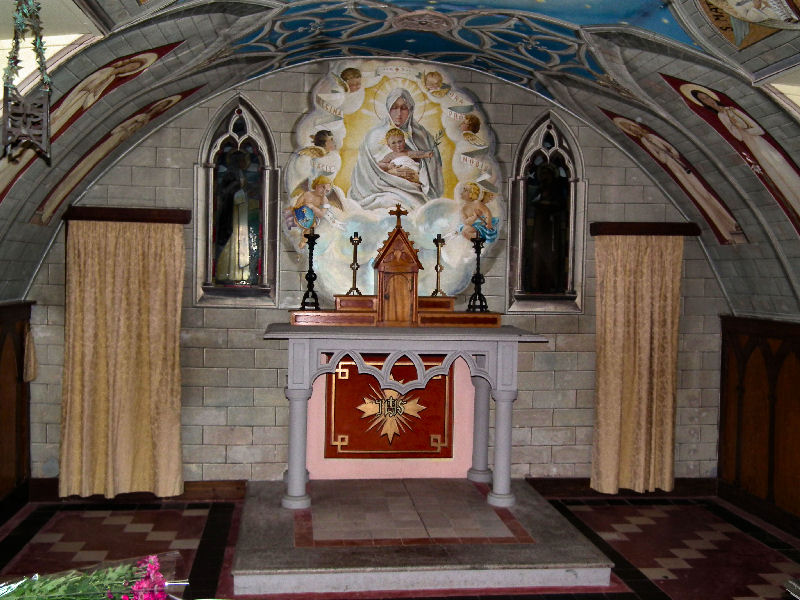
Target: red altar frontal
{"type": "Point", "coordinates": [366, 422]}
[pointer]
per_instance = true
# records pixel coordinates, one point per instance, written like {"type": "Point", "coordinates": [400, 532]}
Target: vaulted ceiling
{"type": "Point", "coordinates": [594, 58]}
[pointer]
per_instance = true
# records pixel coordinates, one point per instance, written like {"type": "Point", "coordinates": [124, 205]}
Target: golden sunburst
{"type": "Point", "coordinates": [390, 409]}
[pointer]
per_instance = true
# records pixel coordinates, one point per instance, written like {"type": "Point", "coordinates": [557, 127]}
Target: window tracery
{"type": "Point", "coordinates": [236, 208]}
{"type": "Point", "coordinates": [546, 245]}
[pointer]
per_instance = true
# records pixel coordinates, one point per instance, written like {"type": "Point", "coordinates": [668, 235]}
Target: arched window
{"type": "Point", "coordinates": [237, 209]}
{"type": "Point", "coordinates": [546, 246]}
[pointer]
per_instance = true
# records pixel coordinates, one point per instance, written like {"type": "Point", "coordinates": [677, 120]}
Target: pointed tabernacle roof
{"type": "Point", "coordinates": [397, 236]}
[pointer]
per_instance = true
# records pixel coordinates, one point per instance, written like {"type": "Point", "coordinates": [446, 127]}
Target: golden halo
{"type": "Point", "coordinates": [624, 124]}
{"type": "Point", "coordinates": [387, 85]}
{"type": "Point", "coordinates": [140, 62]}
{"type": "Point", "coordinates": [688, 88]}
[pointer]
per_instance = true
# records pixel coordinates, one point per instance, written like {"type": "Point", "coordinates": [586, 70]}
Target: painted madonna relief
{"type": "Point", "coordinates": [382, 134]}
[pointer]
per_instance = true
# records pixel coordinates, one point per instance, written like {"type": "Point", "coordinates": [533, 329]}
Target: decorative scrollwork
{"type": "Point", "coordinates": [26, 121]}
{"type": "Point", "coordinates": [511, 44]}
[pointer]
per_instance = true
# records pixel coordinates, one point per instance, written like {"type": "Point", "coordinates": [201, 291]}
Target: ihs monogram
{"type": "Point", "coordinates": [392, 410]}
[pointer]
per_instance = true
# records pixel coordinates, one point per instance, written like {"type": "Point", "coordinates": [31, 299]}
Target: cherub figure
{"type": "Point", "coordinates": [469, 127]}
{"type": "Point", "coordinates": [471, 123]}
{"type": "Point", "coordinates": [352, 79]}
{"type": "Point", "coordinates": [434, 83]}
{"type": "Point", "coordinates": [402, 161]}
{"type": "Point", "coordinates": [475, 215]}
{"type": "Point", "coordinates": [323, 142]}
{"type": "Point", "coordinates": [313, 204]}
{"type": "Point", "coordinates": [321, 158]}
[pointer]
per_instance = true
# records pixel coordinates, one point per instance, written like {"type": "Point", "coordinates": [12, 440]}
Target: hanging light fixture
{"type": "Point", "coordinates": [26, 120]}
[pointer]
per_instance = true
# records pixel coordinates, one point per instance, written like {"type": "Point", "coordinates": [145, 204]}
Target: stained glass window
{"type": "Point", "coordinates": [237, 201]}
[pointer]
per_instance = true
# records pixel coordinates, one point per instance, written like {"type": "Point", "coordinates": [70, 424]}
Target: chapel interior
{"type": "Point", "coordinates": [544, 249]}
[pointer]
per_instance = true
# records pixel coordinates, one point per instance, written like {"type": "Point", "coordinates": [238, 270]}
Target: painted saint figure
{"type": "Point", "coordinates": [90, 90]}
{"type": "Point", "coordinates": [89, 161]}
{"type": "Point", "coordinates": [76, 102]}
{"type": "Point", "coordinates": [718, 215]}
{"type": "Point", "coordinates": [235, 238]}
{"type": "Point", "coordinates": [755, 146]}
{"type": "Point", "coordinates": [371, 186]}
{"type": "Point", "coordinates": [758, 11]}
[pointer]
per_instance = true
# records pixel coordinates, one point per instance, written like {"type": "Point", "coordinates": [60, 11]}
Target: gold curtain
{"type": "Point", "coordinates": [120, 424]}
{"type": "Point", "coordinates": [638, 306]}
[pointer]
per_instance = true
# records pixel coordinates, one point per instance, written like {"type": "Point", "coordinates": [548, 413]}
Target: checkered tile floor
{"type": "Point", "coordinates": [49, 538]}
{"type": "Point", "coordinates": [688, 549]}
{"type": "Point", "coordinates": [663, 549]}
{"type": "Point", "coordinates": [75, 539]}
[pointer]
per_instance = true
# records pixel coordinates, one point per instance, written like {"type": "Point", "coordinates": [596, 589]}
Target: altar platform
{"type": "Point", "coordinates": [380, 538]}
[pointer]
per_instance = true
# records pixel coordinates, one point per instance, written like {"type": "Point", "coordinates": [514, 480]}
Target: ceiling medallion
{"type": "Point", "coordinates": [424, 20]}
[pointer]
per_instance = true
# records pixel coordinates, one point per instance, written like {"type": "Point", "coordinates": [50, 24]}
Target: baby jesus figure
{"type": "Point", "coordinates": [402, 161]}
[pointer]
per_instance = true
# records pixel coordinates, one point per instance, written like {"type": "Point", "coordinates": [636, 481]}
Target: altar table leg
{"type": "Point", "coordinates": [501, 483]}
{"type": "Point", "coordinates": [480, 471]}
{"type": "Point", "coordinates": [296, 496]}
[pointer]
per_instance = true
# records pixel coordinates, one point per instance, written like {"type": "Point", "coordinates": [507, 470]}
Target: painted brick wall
{"type": "Point", "coordinates": [234, 412]}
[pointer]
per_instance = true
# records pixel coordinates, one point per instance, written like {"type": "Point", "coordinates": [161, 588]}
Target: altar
{"type": "Point", "coordinates": [489, 353]}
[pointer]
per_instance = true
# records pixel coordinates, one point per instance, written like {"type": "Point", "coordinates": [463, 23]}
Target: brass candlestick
{"type": "Point", "coordinates": [438, 241]}
{"type": "Point", "coordinates": [355, 239]}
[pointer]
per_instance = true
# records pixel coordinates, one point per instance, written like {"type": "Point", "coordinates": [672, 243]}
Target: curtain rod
{"type": "Point", "coordinates": [643, 228]}
{"type": "Point", "coordinates": [135, 215]}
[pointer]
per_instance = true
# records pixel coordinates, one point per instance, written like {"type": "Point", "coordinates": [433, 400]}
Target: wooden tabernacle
{"type": "Point", "coordinates": [397, 302]}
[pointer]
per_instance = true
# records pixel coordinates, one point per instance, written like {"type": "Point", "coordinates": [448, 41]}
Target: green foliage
{"type": "Point", "coordinates": [26, 17]}
{"type": "Point", "coordinates": [73, 585]}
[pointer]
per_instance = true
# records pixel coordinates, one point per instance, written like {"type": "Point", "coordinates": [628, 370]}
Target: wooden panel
{"type": "Point", "coordinates": [759, 455]}
{"type": "Point", "coordinates": [787, 440]}
{"type": "Point", "coordinates": [729, 420]}
{"type": "Point", "coordinates": [753, 430]}
{"type": "Point", "coordinates": [459, 319]}
{"type": "Point", "coordinates": [431, 303]}
{"type": "Point", "coordinates": [366, 422]}
{"type": "Point", "coordinates": [356, 303]}
{"type": "Point", "coordinates": [14, 409]}
{"type": "Point", "coordinates": [332, 318]}
{"type": "Point", "coordinates": [398, 300]}
{"type": "Point", "coordinates": [8, 415]}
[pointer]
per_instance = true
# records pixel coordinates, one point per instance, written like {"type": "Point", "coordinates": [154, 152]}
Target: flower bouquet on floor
{"type": "Point", "coordinates": [149, 578]}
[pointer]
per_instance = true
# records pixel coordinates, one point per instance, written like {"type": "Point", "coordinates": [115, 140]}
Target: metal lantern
{"type": "Point", "coordinates": [26, 119]}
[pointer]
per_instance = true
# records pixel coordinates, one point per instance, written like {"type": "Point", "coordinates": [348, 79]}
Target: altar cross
{"type": "Point", "coordinates": [398, 212]}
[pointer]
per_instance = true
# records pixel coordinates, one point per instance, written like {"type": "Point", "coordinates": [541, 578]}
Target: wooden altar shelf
{"type": "Point", "coordinates": [432, 311]}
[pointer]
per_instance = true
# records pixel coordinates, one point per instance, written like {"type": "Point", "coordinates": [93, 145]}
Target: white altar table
{"type": "Point", "coordinates": [490, 354]}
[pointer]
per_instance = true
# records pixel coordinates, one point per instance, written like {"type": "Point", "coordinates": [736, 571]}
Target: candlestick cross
{"type": "Point", "coordinates": [438, 241]}
{"type": "Point", "coordinates": [355, 239]}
